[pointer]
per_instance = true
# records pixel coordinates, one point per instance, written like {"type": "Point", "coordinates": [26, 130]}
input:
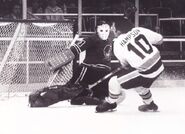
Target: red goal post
{"type": "Point", "coordinates": [24, 46]}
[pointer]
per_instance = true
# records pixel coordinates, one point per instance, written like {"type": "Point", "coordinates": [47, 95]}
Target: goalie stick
{"type": "Point", "coordinates": [51, 79]}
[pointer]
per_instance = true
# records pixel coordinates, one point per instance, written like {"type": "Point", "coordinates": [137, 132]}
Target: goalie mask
{"type": "Point", "coordinates": [103, 31]}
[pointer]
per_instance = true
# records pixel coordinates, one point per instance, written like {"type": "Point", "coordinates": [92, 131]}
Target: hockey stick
{"type": "Point", "coordinates": [105, 77]}
{"type": "Point", "coordinates": [51, 79]}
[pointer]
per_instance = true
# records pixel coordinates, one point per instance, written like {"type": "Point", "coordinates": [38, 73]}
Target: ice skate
{"type": "Point", "coordinates": [148, 107]}
{"type": "Point", "coordinates": [105, 106]}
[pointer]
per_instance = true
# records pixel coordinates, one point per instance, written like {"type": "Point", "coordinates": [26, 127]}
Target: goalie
{"type": "Point", "coordinates": [96, 65]}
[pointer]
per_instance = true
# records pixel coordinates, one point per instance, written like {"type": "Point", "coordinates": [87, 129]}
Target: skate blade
{"type": "Point", "coordinates": [109, 111]}
{"type": "Point", "coordinates": [150, 111]}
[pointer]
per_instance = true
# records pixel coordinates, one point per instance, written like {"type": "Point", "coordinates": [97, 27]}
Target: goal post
{"type": "Point", "coordinates": [24, 47]}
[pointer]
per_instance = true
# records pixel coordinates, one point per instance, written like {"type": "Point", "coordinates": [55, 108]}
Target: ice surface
{"type": "Point", "coordinates": [62, 118]}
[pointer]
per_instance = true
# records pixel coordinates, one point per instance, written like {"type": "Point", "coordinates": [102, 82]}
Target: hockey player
{"type": "Point", "coordinates": [135, 49]}
{"type": "Point", "coordinates": [96, 65]}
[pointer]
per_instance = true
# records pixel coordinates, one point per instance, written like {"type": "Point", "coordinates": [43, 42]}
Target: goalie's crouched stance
{"type": "Point", "coordinates": [53, 94]}
{"type": "Point", "coordinates": [96, 64]}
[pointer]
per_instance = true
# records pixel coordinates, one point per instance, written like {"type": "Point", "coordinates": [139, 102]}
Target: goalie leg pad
{"type": "Point", "coordinates": [51, 95]}
{"type": "Point", "coordinates": [43, 97]}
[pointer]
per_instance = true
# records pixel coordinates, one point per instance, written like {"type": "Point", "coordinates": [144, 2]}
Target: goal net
{"type": "Point", "coordinates": [24, 48]}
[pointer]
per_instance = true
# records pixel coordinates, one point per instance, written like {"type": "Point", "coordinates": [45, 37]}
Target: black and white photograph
{"type": "Point", "coordinates": [92, 67]}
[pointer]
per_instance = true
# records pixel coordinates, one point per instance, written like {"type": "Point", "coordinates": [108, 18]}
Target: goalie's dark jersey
{"type": "Point", "coordinates": [97, 51]}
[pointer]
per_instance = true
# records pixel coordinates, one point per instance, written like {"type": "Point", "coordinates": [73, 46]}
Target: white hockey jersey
{"type": "Point", "coordinates": [136, 48]}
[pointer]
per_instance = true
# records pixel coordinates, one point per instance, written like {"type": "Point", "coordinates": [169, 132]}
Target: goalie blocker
{"type": "Point", "coordinates": [60, 60]}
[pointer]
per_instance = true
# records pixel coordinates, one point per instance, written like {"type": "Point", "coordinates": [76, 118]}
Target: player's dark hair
{"type": "Point", "coordinates": [99, 23]}
{"type": "Point", "coordinates": [123, 25]}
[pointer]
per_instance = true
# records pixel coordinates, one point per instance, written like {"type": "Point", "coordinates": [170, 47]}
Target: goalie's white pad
{"type": "Point", "coordinates": [60, 59]}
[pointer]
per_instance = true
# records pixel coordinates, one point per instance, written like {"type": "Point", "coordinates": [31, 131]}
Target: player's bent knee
{"type": "Point", "coordinates": [116, 90]}
{"type": "Point", "coordinates": [114, 86]}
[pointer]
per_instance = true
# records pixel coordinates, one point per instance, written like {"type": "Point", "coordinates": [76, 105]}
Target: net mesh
{"type": "Point", "coordinates": [24, 47]}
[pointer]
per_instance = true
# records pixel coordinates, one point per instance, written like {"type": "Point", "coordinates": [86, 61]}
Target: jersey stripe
{"type": "Point", "coordinates": [149, 63]}
{"type": "Point", "coordinates": [81, 76]}
{"type": "Point", "coordinates": [76, 49]}
{"type": "Point", "coordinates": [153, 68]}
{"type": "Point", "coordinates": [155, 73]}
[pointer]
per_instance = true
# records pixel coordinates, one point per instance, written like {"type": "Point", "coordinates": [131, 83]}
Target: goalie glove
{"type": "Point", "coordinates": [60, 59]}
